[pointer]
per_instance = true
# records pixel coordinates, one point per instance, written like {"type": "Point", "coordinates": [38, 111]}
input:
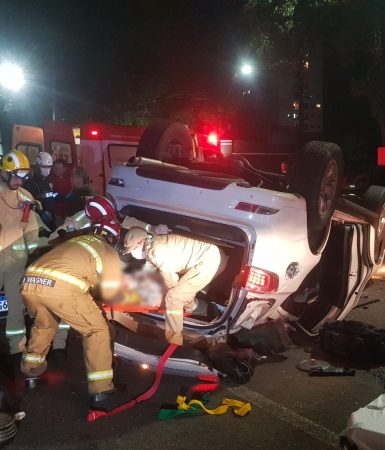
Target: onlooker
{"type": "Point", "coordinates": [40, 187]}
{"type": "Point", "coordinates": [80, 190]}
{"type": "Point", "coordinates": [62, 185]}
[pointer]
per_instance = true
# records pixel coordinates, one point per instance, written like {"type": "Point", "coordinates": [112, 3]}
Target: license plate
{"type": "Point", "coordinates": [3, 304]}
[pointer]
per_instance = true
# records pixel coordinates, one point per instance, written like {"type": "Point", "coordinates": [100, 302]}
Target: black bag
{"type": "Point", "coordinates": [355, 341]}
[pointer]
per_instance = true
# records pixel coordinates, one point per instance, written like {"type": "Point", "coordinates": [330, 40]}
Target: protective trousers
{"type": "Point", "coordinates": [182, 295]}
{"type": "Point", "coordinates": [80, 312]}
{"type": "Point", "coordinates": [15, 329]}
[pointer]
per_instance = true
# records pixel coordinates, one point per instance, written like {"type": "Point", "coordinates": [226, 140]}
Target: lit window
{"type": "Point", "coordinates": [318, 105]}
{"type": "Point", "coordinates": [306, 64]}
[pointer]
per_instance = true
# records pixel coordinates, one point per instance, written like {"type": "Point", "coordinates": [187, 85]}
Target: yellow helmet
{"type": "Point", "coordinates": [15, 163]}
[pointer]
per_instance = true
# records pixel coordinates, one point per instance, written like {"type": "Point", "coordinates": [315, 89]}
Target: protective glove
{"type": "Point", "coordinates": [162, 229]}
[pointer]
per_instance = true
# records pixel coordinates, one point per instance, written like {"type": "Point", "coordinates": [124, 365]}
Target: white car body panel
{"type": "Point", "coordinates": [273, 239]}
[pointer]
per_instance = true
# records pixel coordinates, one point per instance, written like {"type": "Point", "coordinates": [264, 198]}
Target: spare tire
{"type": "Point", "coordinates": [167, 141]}
{"type": "Point", "coordinates": [317, 176]}
{"type": "Point", "coordinates": [374, 200]}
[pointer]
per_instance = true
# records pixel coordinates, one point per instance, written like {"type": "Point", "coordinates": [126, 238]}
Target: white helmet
{"type": "Point", "coordinates": [44, 161]}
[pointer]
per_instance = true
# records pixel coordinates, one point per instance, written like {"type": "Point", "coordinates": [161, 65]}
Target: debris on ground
{"type": "Point", "coordinates": [237, 364]}
{"type": "Point", "coordinates": [353, 341]}
{"type": "Point", "coordinates": [268, 338]}
{"type": "Point", "coordinates": [319, 368]}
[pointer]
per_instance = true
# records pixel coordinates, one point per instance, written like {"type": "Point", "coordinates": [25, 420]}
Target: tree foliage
{"type": "Point", "coordinates": [353, 31]}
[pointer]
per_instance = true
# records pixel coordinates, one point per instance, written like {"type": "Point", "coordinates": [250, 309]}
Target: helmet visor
{"type": "Point", "coordinates": [21, 173]}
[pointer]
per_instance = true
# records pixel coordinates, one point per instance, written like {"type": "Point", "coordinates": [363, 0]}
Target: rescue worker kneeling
{"type": "Point", "coordinates": [61, 285]}
{"type": "Point", "coordinates": [186, 265]}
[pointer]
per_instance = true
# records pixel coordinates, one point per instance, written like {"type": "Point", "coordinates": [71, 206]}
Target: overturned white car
{"type": "Point", "coordinates": [296, 248]}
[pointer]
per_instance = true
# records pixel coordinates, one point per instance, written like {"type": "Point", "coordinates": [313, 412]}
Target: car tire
{"type": "Point", "coordinates": [167, 141]}
{"type": "Point", "coordinates": [317, 177]}
{"type": "Point", "coordinates": [374, 200]}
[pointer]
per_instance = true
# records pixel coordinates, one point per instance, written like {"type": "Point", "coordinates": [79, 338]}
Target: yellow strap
{"type": "Point", "coordinates": [56, 274]}
{"type": "Point", "coordinates": [239, 408]}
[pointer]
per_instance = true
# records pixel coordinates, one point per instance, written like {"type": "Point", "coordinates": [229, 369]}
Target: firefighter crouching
{"type": "Point", "coordinates": [61, 285]}
{"type": "Point", "coordinates": [186, 265]}
{"type": "Point", "coordinates": [18, 238]}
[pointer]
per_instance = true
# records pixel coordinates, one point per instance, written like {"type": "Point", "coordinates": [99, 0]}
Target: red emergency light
{"type": "Point", "coordinates": [260, 281]}
{"type": "Point", "coordinates": [212, 139]}
{"type": "Point", "coordinates": [94, 133]}
{"type": "Point", "coordinates": [381, 156]}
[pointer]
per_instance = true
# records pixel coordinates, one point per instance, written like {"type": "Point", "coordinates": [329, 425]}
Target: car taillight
{"type": "Point", "coordinates": [256, 209]}
{"type": "Point", "coordinates": [212, 139]}
{"type": "Point", "coordinates": [94, 133]}
{"type": "Point", "coordinates": [260, 281]}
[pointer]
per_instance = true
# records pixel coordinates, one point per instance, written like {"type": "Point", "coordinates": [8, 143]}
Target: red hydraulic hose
{"type": "Point", "coordinates": [95, 414]}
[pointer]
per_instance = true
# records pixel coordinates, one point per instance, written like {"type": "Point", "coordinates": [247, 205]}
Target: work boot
{"type": "Point", "coordinates": [32, 383]}
{"type": "Point", "coordinates": [109, 400]}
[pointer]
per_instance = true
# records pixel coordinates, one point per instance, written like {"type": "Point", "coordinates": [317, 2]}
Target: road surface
{"type": "Point", "coordinates": [290, 410]}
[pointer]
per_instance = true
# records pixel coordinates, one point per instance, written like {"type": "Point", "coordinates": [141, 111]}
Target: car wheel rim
{"type": "Point", "coordinates": [328, 188]}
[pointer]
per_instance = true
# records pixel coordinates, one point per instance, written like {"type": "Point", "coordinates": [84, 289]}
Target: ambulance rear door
{"type": "Point", "coordinates": [59, 140]}
{"type": "Point", "coordinates": [103, 146]}
{"type": "Point", "coordinates": [29, 140]}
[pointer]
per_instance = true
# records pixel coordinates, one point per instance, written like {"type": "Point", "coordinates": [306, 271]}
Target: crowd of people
{"type": "Point", "coordinates": [60, 193]}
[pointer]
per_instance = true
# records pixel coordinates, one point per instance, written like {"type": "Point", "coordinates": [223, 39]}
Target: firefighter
{"type": "Point", "coordinates": [97, 207]}
{"type": "Point", "coordinates": [42, 189]}
{"type": "Point", "coordinates": [61, 285]}
{"type": "Point", "coordinates": [18, 239]}
{"type": "Point", "coordinates": [186, 266]}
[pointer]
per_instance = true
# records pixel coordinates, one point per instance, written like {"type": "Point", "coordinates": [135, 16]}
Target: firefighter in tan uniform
{"type": "Point", "coordinates": [186, 265]}
{"type": "Point", "coordinates": [97, 207]}
{"type": "Point", "coordinates": [18, 239]}
{"type": "Point", "coordinates": [61, 285]}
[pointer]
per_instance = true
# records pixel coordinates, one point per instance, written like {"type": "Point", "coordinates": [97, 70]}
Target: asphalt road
{"type": "Point", "coordinates": [289, 409]}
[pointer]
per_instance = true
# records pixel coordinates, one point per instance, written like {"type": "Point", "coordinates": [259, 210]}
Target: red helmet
{"type": "Point", "coordinates": [98, 207]}
{"type": "Point", "coordinates": [106, 226]}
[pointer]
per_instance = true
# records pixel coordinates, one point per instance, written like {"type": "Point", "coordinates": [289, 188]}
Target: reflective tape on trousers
{"type": "Point", "coordinates": [64, 326]}
{"type": "Point", "coordinates": [175, 312]}
{"type": "Point", "coordinates": [51, 273]}
{"type": "Point", "coordinates": [18, 332]}
{"type": "Point", "coordinates": [103, 375]}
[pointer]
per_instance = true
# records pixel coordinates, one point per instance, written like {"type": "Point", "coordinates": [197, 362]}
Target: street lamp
{"type": "Point", "coordinates": [247, 69]}
{"type": "Point", "coordinates": [11, 76]}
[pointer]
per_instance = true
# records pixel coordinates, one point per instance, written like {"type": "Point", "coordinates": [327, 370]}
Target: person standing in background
{"type": "Point", "coordinates": [62, 185]}
{"type": "Point", "coordinates": [80, 191]}
{"type": "Point", "coordinates": [40, 187]}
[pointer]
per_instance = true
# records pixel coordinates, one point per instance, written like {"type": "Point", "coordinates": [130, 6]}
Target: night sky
{"type": "Point", "coordinates": [117, 61]}
{"type": "Point", "coordinates": [109, 56]}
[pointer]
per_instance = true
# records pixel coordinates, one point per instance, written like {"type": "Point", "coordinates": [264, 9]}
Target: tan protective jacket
{"type": "Point", "coordinates": [17, 239]}
{"type": "Point", "coordinates": [85, 263]}
{"type": "Point", "coordinates": [173, 255]}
